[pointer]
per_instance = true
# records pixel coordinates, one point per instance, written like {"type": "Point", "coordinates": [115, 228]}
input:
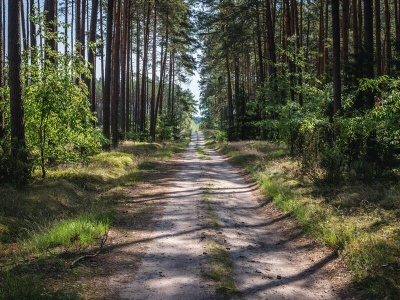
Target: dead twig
{"type": "Point", "coordinates": [91, 255]}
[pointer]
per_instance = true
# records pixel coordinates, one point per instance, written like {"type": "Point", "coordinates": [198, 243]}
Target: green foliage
{"type": "Point", "coordinates": [357, 143]}
{"type": "Point", "coordinates": [59, 124]}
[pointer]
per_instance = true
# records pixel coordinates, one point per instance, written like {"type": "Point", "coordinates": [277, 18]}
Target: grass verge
{"type": "Point", "coordinates": [53, 221]}
{"type": "Point", "coordinates": [360, 221]}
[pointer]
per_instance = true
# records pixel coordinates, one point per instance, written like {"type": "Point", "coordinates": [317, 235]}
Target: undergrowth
{"type": "Point", "coordinates": [46, 226]}
{"type": "Point", "coordinates": [360, 221]}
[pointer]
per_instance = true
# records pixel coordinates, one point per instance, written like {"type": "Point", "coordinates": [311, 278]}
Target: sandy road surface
{"type": "Point", "coordinates": [271, 258]}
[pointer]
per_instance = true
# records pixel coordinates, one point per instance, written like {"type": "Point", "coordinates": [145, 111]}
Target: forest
{"type": "Point", "coordinates": [302, 94]}
{"type": "Point", "coordinates": [320, 76]}
{"type": "Point", "coordinates": [79, 76]}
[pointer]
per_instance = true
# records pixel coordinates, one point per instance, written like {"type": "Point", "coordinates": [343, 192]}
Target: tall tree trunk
{"type": "Point", "coordinates": [356, 41]}
{"type": "Point", "coordinates": [321, 39]}
{"type": "Point", "coordinates": [137, 106]}
{"type": "Point", "coordinates": [102, 46]}
{"type": "Point", "coordinates": [82, 34]}
{"type": "Point", "coordinates": [24, 36]}
{"type": "Point", "coordinates": [388, 38]}
{"type": "Point", "coordinates": [396, 20]}
{"type": "Point", "coordinates": [169, 84]}
{"type": "Point", "coordinates": [107, 83]}
{"type": "Point", "coordinates": [378, 42]}
{"type": "Point", "coordinates": [369, 46]}
{"type": "Point", "coordinates": [92, 54]}
{"type": "Point", "coordinates": [271, 43]}
{"type": "Point", "coordinates": [116, 74]}
{"type": "Point", "coordinates": [18, 146]}
{"type": "Point", "coordinates": [230, 98]}
{"type": "Point", "coordinates": [259, 46]}
{"type": "Point", "coordinates": [160, 93]}
{"type": "Point", "coordinates": [337, 104]}
{"type": "Point", "coordinates": [128, 67]}
{"type": "Point", "coordinates": [78, 16]}
{"type": "Point", "coordinates": [72, 25]}
{"type": "Point", "coordinates": [32, 24]}
{"type": "Point", "coordinates": [144, 70]}
{"type": "Point", "coordinates": [124, 76]}
{"type": "Point", "coordinates": [345, 32]}
{"type": "Point", "coordinates": [66, 28]}
{"type": "Point", "coordinates": [153, 79]}
{"type": "Point", "coordinates": [51, 19]}
{"type": "Point", "coordinates": [2, 83]}
{"type": "Point", "coordinates": [173, 92]}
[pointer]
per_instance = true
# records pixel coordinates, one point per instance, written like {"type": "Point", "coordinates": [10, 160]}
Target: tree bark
{"type": "Point", "coordinates": [19, 168]}
{"type": "Point", "coordinates": [51, 22]}
{"type": "Point", "coordinates": [24, 29]}
{"type": "Point", "coordinates": [369, 46]}
{"type": "Point", "coordinates": [356, 41]}
{"type": "Point", "coordinates": [345, 32]}
{"type": "Point", "coordinates": [82, 35]}
{"type": "Point", "coordinates": [153, 79]}
{"type": "Point", "coordinates": [78, 15]}
{"type": "Point", "coordinates": [107, 83]}
{"type": "Point", "coordinates": [144, 71]}
{"type": "Point", "coordinates": [337, 104]}
{"type": "Point", "coordinates": [378, 41]}
{"type": "Point", "coordinates": [124, 76]}
{"type": "Point", "coordinates": [92, 55]}
{"type": "Point", "coordinates": [32, 24]}
{"type": "Point", "coordinates": [116, 75]}
{"type": "Point", "coordinates": [388, 39]}
{"type": "Point", "coordinates": [138, 49]}
{"type": "Point", "coordinates": [2, 77]}
{"type": "Point", "coordinates": [230, 98]}
{"type": "Point", "coordinates": [321, 40]}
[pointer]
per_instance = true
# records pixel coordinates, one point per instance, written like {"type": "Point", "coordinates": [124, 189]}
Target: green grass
{"type": "Point", "coordinates": [78, 232]}
{"type": "Point", "coordinates": [222, 271]}
{"type": "Point", "coordinates": [221, 266]}
{"type": "Point", "coordinates": [202, 153]}
{"type": "Point", "coordinates": [50, 223]}
{"type": "Point", "coordinates": [359, 221]}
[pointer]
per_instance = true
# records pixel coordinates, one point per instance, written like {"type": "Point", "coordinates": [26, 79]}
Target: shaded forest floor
{"type": "Point", "coordinates": [55, 221]}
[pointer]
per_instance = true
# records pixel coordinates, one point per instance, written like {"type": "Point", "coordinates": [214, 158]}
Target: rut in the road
{"type": "Point", "coordinates": [269, 262]}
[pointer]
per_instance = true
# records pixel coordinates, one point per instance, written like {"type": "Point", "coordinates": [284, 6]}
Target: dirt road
{"type": "Point", "coordinates": [271, 259]}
